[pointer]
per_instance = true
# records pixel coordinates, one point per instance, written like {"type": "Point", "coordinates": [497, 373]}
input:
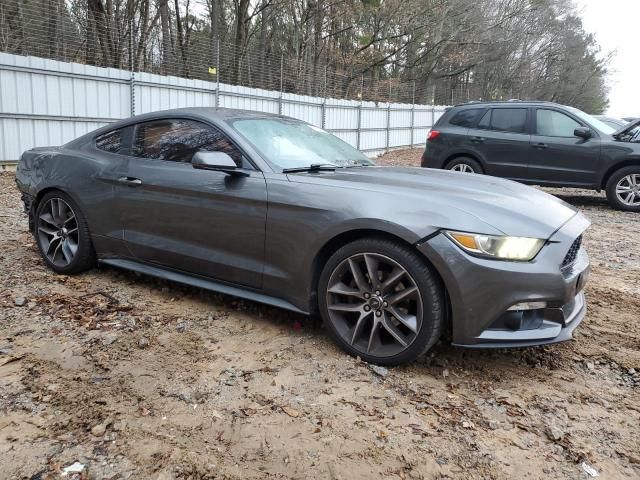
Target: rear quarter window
{"type": "Point", "coordinates": [111, 142]}
{"type": "Point", "coordinates": [466, 118]}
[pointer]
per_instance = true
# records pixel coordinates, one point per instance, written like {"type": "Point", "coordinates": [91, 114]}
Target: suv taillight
{"type": "Point", "coordinates": [432, 135]}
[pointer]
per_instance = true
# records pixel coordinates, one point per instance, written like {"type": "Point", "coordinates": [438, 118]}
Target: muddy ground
{"type": "Point", "coordinates": [132, 377]}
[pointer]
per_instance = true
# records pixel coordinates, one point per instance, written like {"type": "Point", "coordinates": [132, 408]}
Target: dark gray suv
{"type": "Point", "coordinates": [539, 143]}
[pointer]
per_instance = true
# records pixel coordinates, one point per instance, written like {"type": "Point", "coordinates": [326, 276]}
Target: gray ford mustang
{"type": "Point", "coordinates": [278, 211]}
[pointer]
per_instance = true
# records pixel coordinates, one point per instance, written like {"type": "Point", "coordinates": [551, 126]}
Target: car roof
{"type": "Point", "coordinates": [208, 113]}
{"type": "Point", "coordinates": [212, 113]}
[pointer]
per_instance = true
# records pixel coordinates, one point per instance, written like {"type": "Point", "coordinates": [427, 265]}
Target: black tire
{"type": "Point", "coordinates": [84, 257]}
{"type": "Point", "coordinates": [612, 184]}
{"type": "Point", "coordinates": [465, 161]}
{"type": "Point", "coordinates": [426, 280]}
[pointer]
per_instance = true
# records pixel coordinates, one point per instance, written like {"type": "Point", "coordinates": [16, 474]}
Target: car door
{"type": "Point", "coordinates": [558, 157]}
{"type": "Point", "coordinates": [202, 222]}
{"type": "Point", "coordinates": [502, 140]}
{"type": "Point", "coordinates": [109, 153]}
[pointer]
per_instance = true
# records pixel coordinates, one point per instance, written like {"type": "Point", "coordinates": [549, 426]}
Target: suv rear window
{"type": "Point", "coordinates": [512, 120]}
{"type": "Point", "coordinates": [466, 118]}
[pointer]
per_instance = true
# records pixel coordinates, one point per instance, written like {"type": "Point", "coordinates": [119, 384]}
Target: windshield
{"type": "Point", "coordinates": [290, 143]}
{"type": "Point", "coordinates": [593, 121]}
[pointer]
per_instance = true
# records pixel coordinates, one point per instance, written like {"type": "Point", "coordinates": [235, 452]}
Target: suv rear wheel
{"type": "Point", "coordinates": [623, 189]}
{"type": "Point", "coordinates": [464, 165]}
{"type": "Point", "coordinates": [381, 301]}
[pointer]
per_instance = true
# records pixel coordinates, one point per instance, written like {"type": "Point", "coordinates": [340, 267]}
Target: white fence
{"type": "Point", "coordinates": [46, 102]}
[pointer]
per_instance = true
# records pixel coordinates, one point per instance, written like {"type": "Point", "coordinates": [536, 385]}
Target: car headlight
{"type": "Point", "coordinates": [499, 247]}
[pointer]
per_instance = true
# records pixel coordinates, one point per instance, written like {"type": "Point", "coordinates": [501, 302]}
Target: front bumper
{"type": "Point", "coordinates": [482, 290]}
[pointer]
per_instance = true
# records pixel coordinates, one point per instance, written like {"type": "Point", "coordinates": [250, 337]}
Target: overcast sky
{"type": "Point", "coordinates": [615, 24]}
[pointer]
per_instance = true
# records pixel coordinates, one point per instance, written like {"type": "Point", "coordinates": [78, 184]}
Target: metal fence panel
{"type": "Point", "coordinates": [47, 102]}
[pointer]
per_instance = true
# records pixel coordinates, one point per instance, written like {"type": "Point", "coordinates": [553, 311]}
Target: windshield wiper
{"type": "Point", "coordinates": [358, 163]}
{"type": "Point", "coordinates": [314, 167]}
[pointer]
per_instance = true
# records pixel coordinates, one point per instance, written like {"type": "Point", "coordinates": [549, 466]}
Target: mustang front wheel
{"type": "Point", "coordinates": [381, 301]}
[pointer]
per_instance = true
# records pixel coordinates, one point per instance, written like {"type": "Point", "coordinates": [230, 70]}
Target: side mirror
{"type": "Point", "coordinates": [583, 132]}
{"type": "Point", "coordinates": [218, 161]}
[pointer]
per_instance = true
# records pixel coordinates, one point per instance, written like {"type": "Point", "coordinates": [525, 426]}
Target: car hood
{"type": "Point", "coordinates": [626, 128]}
{"type": "Point", "coordinates": [509, 207]}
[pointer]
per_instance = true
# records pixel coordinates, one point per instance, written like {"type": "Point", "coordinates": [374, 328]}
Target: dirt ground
{"type": "Point", "coordinates": [133, 377]}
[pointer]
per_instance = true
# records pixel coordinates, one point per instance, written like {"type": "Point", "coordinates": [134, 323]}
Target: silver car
{"type": "Point", "coordinates": [278, 211]}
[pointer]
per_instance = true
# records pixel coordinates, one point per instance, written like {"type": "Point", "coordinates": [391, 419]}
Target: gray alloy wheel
{"type": "Point", "coordinates": [374, 304]}
{"type": "Point", "coordinates": [62, 234]}
{"type": "Point", "coordinates": [380, 300]}
{"type": "Point", "coordinates": [464, 165]}
{"type": "Point", "coordinates": [58, 233]}
{"type": "Point", "coordinates": [462, 168]}
{"type": "Point", "coordinates": [628, 190]}
{"type": "Point", "coordinates": [623, 189]}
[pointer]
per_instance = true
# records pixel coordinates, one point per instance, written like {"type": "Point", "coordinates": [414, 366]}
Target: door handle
{"type": "Point", "coordinates": [134, 182]}
{"type": "Point", "coordinates": [477, 139]}
{"type": "Point", "coordinates": [540, 145]}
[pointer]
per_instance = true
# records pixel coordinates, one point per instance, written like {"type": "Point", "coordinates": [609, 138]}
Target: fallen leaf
{"type": "Point", "coordinates": [10, 360]}
{"type": "Point", "coordinates": [292, 412]}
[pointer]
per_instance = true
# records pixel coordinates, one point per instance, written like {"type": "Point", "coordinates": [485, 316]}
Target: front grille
{"type": "Point", "coordinates": [571, 255]}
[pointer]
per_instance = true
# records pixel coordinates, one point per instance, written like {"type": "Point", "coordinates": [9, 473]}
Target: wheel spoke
{"type": "Point", "coordinates": [66, 251]}
{"type": "Point", "coordinates": [48, 218]}
{"type": "Point", "coordinates": [393, 330]}
{"type": "Point", "coordinates": [346, 307]}
{"type": "Point", "coordinates": [358, 327]}
{"type": "Point", "coordinates": [394, 277]}
{"type": "Point", "coordinates": [409, 321]}
{"type": "Point", "coordinates": [361, 282]}
{"type": "Point", "coordinates": [372, 269]}
{"type": "Point", "coordinates": [53, 243]}
{"type": "Point", "coordinates": [55, 252]}
{"type": "Point", "coordinates": [402, 295]}
{"type": "Point", "coordinates": [342, 289]}
{"type": "Point", "coordinates": [47, 230]}
{"type": "Point", "coordinates": [373, 335]}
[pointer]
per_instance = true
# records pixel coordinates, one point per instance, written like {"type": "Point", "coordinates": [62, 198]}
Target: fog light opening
{"type": "Point", "coordinates": [527, 306]}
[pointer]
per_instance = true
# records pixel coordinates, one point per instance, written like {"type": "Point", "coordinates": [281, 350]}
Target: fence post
{"type": "Point", "coordinates": [413, 113]}
{"type": "Point", "coordinates": [132, 75]}
{"type": "Point", "coordinates": [218, 73]}
{"type": "Point", "coordinates": [386, 145]}
{"type": "Point", "coordinates": [433, 116]}
{"type": "Point", "coordinates": [359, 125]}
{"type": "Point", "coordinates": [324, 99]}
{"type": "Point", "coordinates": [281, 84]}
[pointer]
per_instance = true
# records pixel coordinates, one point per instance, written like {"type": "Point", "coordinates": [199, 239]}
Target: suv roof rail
{"type": "Point", "coordinates": [512, 100]}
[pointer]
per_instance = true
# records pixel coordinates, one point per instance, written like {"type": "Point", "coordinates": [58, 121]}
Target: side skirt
{"type": "Point", "coordinates": [200, 282]}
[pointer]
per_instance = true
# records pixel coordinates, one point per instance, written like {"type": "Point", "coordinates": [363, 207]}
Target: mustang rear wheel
{"type": "Point", "coordinates": [381, 301]}
{"type": "Point", "coordinates": [62, 234]}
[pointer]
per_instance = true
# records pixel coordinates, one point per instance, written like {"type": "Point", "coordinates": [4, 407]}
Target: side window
{"type": "Point", "coordinates": [485, 121]}
{"type": "Point", "coordinates": [177, 140]}
{"type": "Point", "coordinates": [466, 118]}
{"type": "Point", "coordinates": [554, 124]}
{"type": "Point", "coordinates": [111, 141]}
{"type": "Point", "coordinates": [509, 119]}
